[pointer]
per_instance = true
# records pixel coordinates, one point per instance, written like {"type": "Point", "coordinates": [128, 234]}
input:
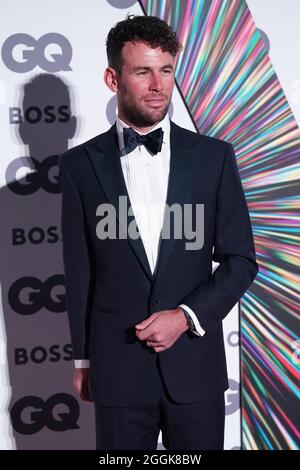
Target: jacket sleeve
{"type": "Point", "coordinates": [76, 263]}
{"type": "Point", "coordinates": [234, 249]}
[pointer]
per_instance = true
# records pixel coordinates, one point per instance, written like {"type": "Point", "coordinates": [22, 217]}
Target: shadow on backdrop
{"type": "Point", "coordinates": [45, 412]}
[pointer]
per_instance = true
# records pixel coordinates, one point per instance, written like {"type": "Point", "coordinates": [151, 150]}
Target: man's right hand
{"type": "Point", "coordinates": [82, 383]}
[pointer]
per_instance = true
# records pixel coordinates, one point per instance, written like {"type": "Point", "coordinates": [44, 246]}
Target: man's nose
{"type": "Point", "coordinates": [156, 83]}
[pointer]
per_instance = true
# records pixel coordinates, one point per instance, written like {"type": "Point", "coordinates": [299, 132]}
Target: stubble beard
{"type": "Point", "coordinates": [141, 117]}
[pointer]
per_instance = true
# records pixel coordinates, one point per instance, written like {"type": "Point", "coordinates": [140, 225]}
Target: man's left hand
{"type": "Point", "coordinates": [162, 329]}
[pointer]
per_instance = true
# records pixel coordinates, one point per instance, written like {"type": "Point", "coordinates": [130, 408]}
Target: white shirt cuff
{"type": "Point", "coordinates": [199, 331]}
{"type": "Point", "coordinates": [82, 363]}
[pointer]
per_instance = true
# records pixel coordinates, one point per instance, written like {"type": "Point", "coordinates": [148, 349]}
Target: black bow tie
{"type": "Point", "coordinates": [152, 140]}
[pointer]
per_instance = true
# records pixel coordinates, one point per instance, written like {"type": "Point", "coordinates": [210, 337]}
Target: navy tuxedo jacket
{"type": "Point", "coordinates": [109, 285]}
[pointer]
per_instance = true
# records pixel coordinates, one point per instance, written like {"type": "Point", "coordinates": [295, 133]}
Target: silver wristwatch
{"type": "Point", "coordinates": [189, 321]}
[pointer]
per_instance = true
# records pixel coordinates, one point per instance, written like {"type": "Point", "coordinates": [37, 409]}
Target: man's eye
{"type": "Point", "coordinates": [142, 73]}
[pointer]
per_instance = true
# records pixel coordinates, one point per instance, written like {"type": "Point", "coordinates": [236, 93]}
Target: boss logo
{"type": "Point", "coordinates": [33, 114]}
{"type": "Point", "coordinates": [28, 295]}
{"type": "Point", "coordinates": [40, 354]}
{"type": "Point", "coordinates": [22, 53]}
{"type": "Point", "coordinates": [39, 178]}
{"type": "Point", "coordinates": [35, 235]}
{"type": "Point", "coordinates": [31, 414]}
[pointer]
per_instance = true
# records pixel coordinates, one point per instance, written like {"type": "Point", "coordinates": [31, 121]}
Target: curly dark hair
{"type": "Point", "coordinates": [149, 29]}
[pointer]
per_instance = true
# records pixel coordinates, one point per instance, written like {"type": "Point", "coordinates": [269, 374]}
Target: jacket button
{"type": "Point", "coordinates": [155, 302]}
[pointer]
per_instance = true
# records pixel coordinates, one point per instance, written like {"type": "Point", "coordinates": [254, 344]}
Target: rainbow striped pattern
{"type": "Point", "coordinates": [232, 92]}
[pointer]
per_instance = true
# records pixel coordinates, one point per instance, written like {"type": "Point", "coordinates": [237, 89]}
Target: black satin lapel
{"type": "Point", "coordinates": [184, 152]}
{"type": "Point", "coordinates": [107, 165]}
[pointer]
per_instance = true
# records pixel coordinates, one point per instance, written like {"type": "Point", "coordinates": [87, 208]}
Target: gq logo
{"type": "Point", "coordinates": [31, 414]}
{"type": "Point", "coordinates": [40, 295]}
{"type": "Point", "coordinates": [39, 178]}
{"type": "Point", "coordinates": [22, 53]}
{"type": "Point", "coordinates": [232, 397]}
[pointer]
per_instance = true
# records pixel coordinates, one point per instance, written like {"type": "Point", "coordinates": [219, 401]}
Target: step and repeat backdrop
{"type": "Point", "coordinates": [230, 83]}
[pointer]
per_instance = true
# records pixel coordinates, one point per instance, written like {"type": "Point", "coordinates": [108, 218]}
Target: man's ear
{"type": "Point", "coordinates": [111, 80]}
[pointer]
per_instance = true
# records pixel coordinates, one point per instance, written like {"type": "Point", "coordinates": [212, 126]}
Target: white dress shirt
{"type": "Point", "coordinates": [146, 177]}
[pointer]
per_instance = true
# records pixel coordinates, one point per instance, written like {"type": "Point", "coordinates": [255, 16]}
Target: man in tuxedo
{"type": "Point", "coordinates": [145, 307]}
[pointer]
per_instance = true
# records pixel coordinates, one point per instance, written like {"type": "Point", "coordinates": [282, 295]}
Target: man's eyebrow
{"type": "Point", "coordinates": [146, 67]}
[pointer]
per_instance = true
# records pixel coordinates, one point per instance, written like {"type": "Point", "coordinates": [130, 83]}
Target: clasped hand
{"type": "Point", "coordinates": [162, 329]}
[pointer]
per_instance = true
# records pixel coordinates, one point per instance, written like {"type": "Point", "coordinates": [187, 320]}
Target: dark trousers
{"type": "Point", "coordinates": [194, 426]}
